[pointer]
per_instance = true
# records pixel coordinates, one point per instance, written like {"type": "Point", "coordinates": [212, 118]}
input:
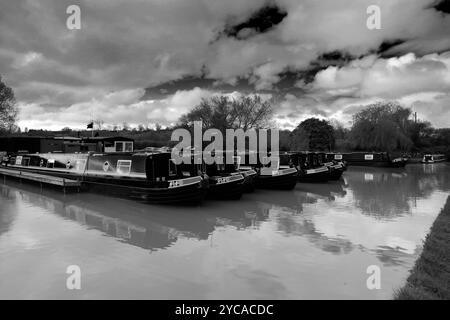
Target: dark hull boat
{"type": "Point", "coordinates": [380, 159]}
{"type": "Point", "coordinates": [271, 173]}
{"type": "Point", "coordinates": [153, 178]}
{"type": "Point", "coordinates": [281, 179]}
{"type": "Point", "coordinates": [335, 170]}
{"type": "Point", "coordinates": [433, 158]}
{"type": "Point", "coordinates": [229, 187]}
{"type": "Point", "coordinates": [250, 177]}
{"type": "Point", "coordinates": [336, 167]}
{"type": "Point", "coordinates": [316, 175]}
{"type": "Point", "coordinates": [224, 181]}
{"type": "Point", "coordinates": [310, 168]}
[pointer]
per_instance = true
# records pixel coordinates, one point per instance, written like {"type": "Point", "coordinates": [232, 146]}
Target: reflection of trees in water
{"type": "Point", "coordinates": [388, 193]}
{"type": "Point", "coordinates": [6, 216]}
{"type": "Point", "coordinates": [329, 190]}
{"type": "Point", "coordinates": [391, 257]}
{"type": "Point", "coordinates": [292, 223]}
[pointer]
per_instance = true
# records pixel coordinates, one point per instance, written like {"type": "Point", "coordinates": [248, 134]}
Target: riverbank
{"type": "Point", "coordinates": [430, 277]}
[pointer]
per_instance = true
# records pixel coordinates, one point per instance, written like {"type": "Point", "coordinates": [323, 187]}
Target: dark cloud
{"type": "Point", "coordinates": [259, 22]}
{"type": "Point", "coordinates": [384, 48]}
{"type": "Point", "coordinates": [443, 6]}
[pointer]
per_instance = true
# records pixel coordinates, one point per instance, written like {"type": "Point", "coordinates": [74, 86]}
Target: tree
{"type": "Point", "coordinates": [313, 134]}
{"type": "Point", "coordinates": [8, 109]}
{"type": "Point", "coordinates": [99, 124]}
{"type": "Point", "coordinates": [125, 126]}
{"type": "Point", "coordinates": [222, 112]}
{"type": "Point", "coordinates": [382, 126]}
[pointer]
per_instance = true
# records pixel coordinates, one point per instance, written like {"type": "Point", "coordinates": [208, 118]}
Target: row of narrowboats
{"type": "Point", "coordinates": [156, 178]}
{"type": "Point", "coordinates": [153, 176]}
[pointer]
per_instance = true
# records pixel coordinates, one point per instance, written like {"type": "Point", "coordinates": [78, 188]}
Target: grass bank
{"type": "Point", "coordinates": [430, 277]}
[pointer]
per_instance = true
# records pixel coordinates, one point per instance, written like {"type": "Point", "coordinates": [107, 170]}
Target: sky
{"type": "Point", "coordinates": [148, 62]}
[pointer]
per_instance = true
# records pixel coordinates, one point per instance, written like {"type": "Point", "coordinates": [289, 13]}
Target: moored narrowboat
{"type": "Point", "coordinates": [151, 177]}
{"type": "Point", "coordinates": [335, 168]}
{"type": "Point", "coordinates": [274, 173]}
{"type": "Point", "coordinates": [224, 181]}
{"type": "Point", "coordinates": [433, 158]}
{"type": "Point", "coordinates": [236, 168]}
{"type": "Point", "coordinates": [309, 168]}
{"type": "Point", "coordinates": [374, 159]}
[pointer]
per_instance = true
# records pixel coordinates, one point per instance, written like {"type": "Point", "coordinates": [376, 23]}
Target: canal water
{"type": "Point", "coordinates": [316, 241]}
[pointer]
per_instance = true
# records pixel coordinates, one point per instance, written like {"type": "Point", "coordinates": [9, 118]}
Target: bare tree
{"type": "Point", "coordinates": [99, 124]}
{"type": "Point", "coordinates": [8, 108]}
{"type": "Point", "coordinates": [222, 112]}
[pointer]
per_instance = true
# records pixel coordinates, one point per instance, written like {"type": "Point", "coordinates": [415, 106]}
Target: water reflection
{"type": "Point", "coordinates": [386, 193]}
{"type": "Point", "coordinates": [6, 215]}
{"type": "Point", "coordinates": [306, 243]}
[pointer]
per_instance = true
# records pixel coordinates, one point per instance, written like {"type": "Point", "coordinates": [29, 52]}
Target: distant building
{"type": "Point", "coordinates": [111, 144]}
{"type": "Point", "coordinates": [16, 144]}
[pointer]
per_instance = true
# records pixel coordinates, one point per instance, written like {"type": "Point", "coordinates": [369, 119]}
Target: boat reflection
{"type": "Point", "coordinates": [323, 214]}
{"type": "Point", "coordinates": [386, 193]}
{"type": "Point", "coordinates": [146, 226]}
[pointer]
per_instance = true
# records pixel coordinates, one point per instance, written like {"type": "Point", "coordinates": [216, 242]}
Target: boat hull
{"type": "Point", "coordinates": [186, 195]}
{"type": "Point", "coordinates": [380, 164]}
{"type": "Point", "coordinates": [226, 191]}
{"type": "Point", "coordinates": [335, 174]}
{"type": "Point", "coordinates": [277, 182]}
{"type": "Point", "coordinates": [136, 189]}
{"type": "Point", "coordinates": [311, 176]}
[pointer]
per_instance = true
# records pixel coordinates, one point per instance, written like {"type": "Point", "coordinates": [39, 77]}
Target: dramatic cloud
{"type": "Point", "coordinates": [128, 45]}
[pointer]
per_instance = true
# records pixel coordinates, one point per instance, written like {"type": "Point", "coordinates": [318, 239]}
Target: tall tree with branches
{"type": "Point", "coordinates": [8, 109]}
{"type": "Point", "coordinates": [223, 112]}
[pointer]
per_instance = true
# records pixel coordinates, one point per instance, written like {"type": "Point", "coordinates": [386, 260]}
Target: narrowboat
{"type": "Point", "coordinates": [237, 168]}
{"type": "Point", "coordinates": [310, 170]}
{"type": "Point", "coordinates": [335, 168]}
{"type": "Point", "coordinates": [373, 159]}
{"type": "Point", "coordinates": [433, 158]}
{"type": "Point", "coordinates": [224, 182]}
{"type": "Point", "coordinates": [274, 175]}
{"type": "Point", "coordinates": [151, 177]}
{"type": "Point", "coordinates": [336, 158]}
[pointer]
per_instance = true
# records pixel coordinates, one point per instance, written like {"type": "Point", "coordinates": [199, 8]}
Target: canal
{"type": "Point", "coordinates": [315, 242]}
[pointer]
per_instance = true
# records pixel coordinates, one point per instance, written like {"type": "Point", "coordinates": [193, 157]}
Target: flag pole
{"type": "Point", "coordinates": [92, 120]}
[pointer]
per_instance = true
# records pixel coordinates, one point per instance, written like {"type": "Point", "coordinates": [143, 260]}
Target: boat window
{"type": "Point", "coordinates": [123, 166]}
{"type": "Point", "coordinates": [368, 157]}
{"type": "Point", "coordinates": [172, 168]}
{"type": "Point", "coordinates": [338, 157]}
{"type": "Point", "coordinates": [128, 146]}
{"type": "Point", "coordinates": [26, 161]}
{"type": "Point", "coordinates": [119, 146]}
{"type": "Point", "coordinates": [51, 163]}
{"type": "Point", "coordinates": [80, 164]}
